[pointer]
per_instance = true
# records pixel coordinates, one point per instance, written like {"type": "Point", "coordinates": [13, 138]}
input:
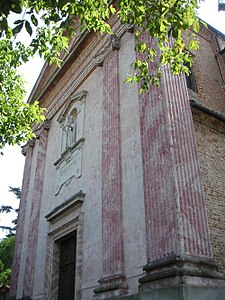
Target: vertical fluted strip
{"type": "Point", "coordinates": [193, 226]}
{"type": "Point", "coordinates": [111, 171]}
{"type": "Point", "coordinates": [159, 186]}
{"type": "Point", "coordinates": [35, 214]}
{"type": "Point", "coordinates": [21, 221]}
{"type": "Point", "coordinates": [176, 222]}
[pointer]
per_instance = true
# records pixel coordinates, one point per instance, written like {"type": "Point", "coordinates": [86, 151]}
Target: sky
{"type": "Point", "coordinates": [11, 164]}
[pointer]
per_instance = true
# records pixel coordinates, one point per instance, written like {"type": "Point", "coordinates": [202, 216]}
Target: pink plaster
{"type": "Point", "coordinates": [113, 260]}
{"type": "Point", "coordinates": [35, 214]}
{"type": "Point", "coordinates": [174, 201]}
{"type": "Point", "coordinates": [21, 221]}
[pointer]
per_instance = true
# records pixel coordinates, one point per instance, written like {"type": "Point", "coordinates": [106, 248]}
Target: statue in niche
{"type": "Point", "coordinates": [69, 131]}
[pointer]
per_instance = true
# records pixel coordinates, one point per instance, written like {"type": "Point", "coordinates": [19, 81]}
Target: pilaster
{"type": "Point", "coordinates": [27, 150]}
{"type": "Point", "coordinates": [113, 281]}
{"type": "Point", "coordinates": [178, 241]}
{"type": "Point", "coordinates": [41, 144]}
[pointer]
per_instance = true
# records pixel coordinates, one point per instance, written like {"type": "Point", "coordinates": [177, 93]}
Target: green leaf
{"type": "Point", "coordinates": [16, 7]}
{"type": "Point", "coordinates": [18, 22]}
{"type": "Point", "coordinates": [196, 25]}
{"type": "Point", "coordinates": [17, 29]}
{"type": "Point", "coordinates": [28, 28]}
{"type": "Point", "coordinates": [193, 45]}
{"type": "Point", "coordinates": [112, 9]}
{"type": "Point", "coordinates": [61, 3]}
{"type": "Point", "coordinates": [34, 20]}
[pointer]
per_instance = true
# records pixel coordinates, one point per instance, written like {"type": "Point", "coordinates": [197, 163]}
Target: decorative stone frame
{"type": "Point", "coordinates": [64, 219]}
{"type": "Point", "coordinates": [71, 122]}
{"type": "Point", "coordinates": [72, 119]}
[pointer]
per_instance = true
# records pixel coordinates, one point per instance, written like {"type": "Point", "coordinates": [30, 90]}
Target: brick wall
{"type": "Point", "coordinates": [210, 137]}
{"type": "Point", "coordinates": [211, 89]}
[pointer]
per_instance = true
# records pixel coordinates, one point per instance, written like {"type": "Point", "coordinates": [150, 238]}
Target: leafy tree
{"type": "Point", "coordinates": [9, 209]}
{"type": "Point", "coordinates": [6, 257]}
{"type": "Point", "coordinates": [50, 24]}
{"type": "Point", "coordinates": [7, 244]}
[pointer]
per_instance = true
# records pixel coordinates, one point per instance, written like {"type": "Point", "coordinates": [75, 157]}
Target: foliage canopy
{"type": "Point", "coordinates": [6, 257]}
{"type": "Point", "coordinates": [7, 244]}
{"type": "Point", "coordinates": [46, 22]}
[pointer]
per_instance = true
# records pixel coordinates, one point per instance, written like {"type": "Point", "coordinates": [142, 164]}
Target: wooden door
{"type": "Point", "coordinates": [67, 267]}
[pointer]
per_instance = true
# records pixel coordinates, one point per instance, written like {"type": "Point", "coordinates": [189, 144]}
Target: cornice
{"type": "Point", "coordinates": [34, 93]}
{"type": "Point", "coordinates": [66, 155]}
{"type": "Point", "coordinates": [44, 126]}
{"type": "Point", "coordinates": [66, 207]}
{"type": "Point", "coordinates": [25, 147]}
{"type": "Point", "coordinates": [88, 68]}
{"type": "Point", "coordinates": [114, 44]}
{"type": "Point", "coordinates": [38, 131]}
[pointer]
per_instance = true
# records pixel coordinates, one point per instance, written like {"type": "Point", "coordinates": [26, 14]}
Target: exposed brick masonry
{"type": "Point", "coordinates": [210, 137]}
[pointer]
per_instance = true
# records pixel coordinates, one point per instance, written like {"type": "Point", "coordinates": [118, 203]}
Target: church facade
{"type": "Point", "coordinates": [123, 193]}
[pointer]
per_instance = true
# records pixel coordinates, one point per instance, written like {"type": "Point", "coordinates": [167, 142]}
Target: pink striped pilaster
{"type": "Point", "coordinates": [28, 152]}
{"type": "Point", "coordinates": [159, 187]}
{"type": "Point", "coordinates": [157, 165]}
{"type": "Point", "coordinates": [190, 204]}
{"type": "Point", "coordinates": [112, 282]}
{"type": "Point", "coordinates": [41, 143]}
{"type": "Point", "coordinates": [177, 234]}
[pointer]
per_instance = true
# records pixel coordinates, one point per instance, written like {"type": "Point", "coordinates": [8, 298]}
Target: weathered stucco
{"type": "Point", "coordinates": [135, 196]}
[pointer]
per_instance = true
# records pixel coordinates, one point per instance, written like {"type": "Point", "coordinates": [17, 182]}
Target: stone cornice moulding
{"type": "Point", "coordinates": [66, 155]}
{"type": "Point", "coordinates": [80, 37]}
{"type": "Point", "coordinates": [38, 131]}
{"type": "Point", "coordinates": [69, 205]}
{"type": "Point", "coordinates": [25, 147]}
{"type": "Point", "coordinates": [114, 44]}
{"type": "Point", "coordinates": [89, 67]}
{"type": "Point", "coordinates": [129, 28]}
{"type": "Point", "coordinates": [44, 126]}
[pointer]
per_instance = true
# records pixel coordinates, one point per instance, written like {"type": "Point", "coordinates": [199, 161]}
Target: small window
{"type": "Point", "coordinates": [190, 79]}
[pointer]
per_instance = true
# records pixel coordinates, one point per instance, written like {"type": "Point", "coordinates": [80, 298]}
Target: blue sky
{"type": "Point", "coordinates": [11, 164]}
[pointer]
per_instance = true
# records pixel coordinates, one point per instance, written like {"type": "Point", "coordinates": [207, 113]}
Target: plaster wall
{"type": "Point", "coordinates": [90, 181]}
{"type": "Point", "coordinates": [20, 289]}
{"type": "Point", "coordinates": [84, 74]}
{"type": "Point", "coordinates": [132, 172]}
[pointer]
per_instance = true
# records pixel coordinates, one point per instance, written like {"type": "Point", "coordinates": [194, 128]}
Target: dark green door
{"type": "Point", "coordinates": [67, 267]}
